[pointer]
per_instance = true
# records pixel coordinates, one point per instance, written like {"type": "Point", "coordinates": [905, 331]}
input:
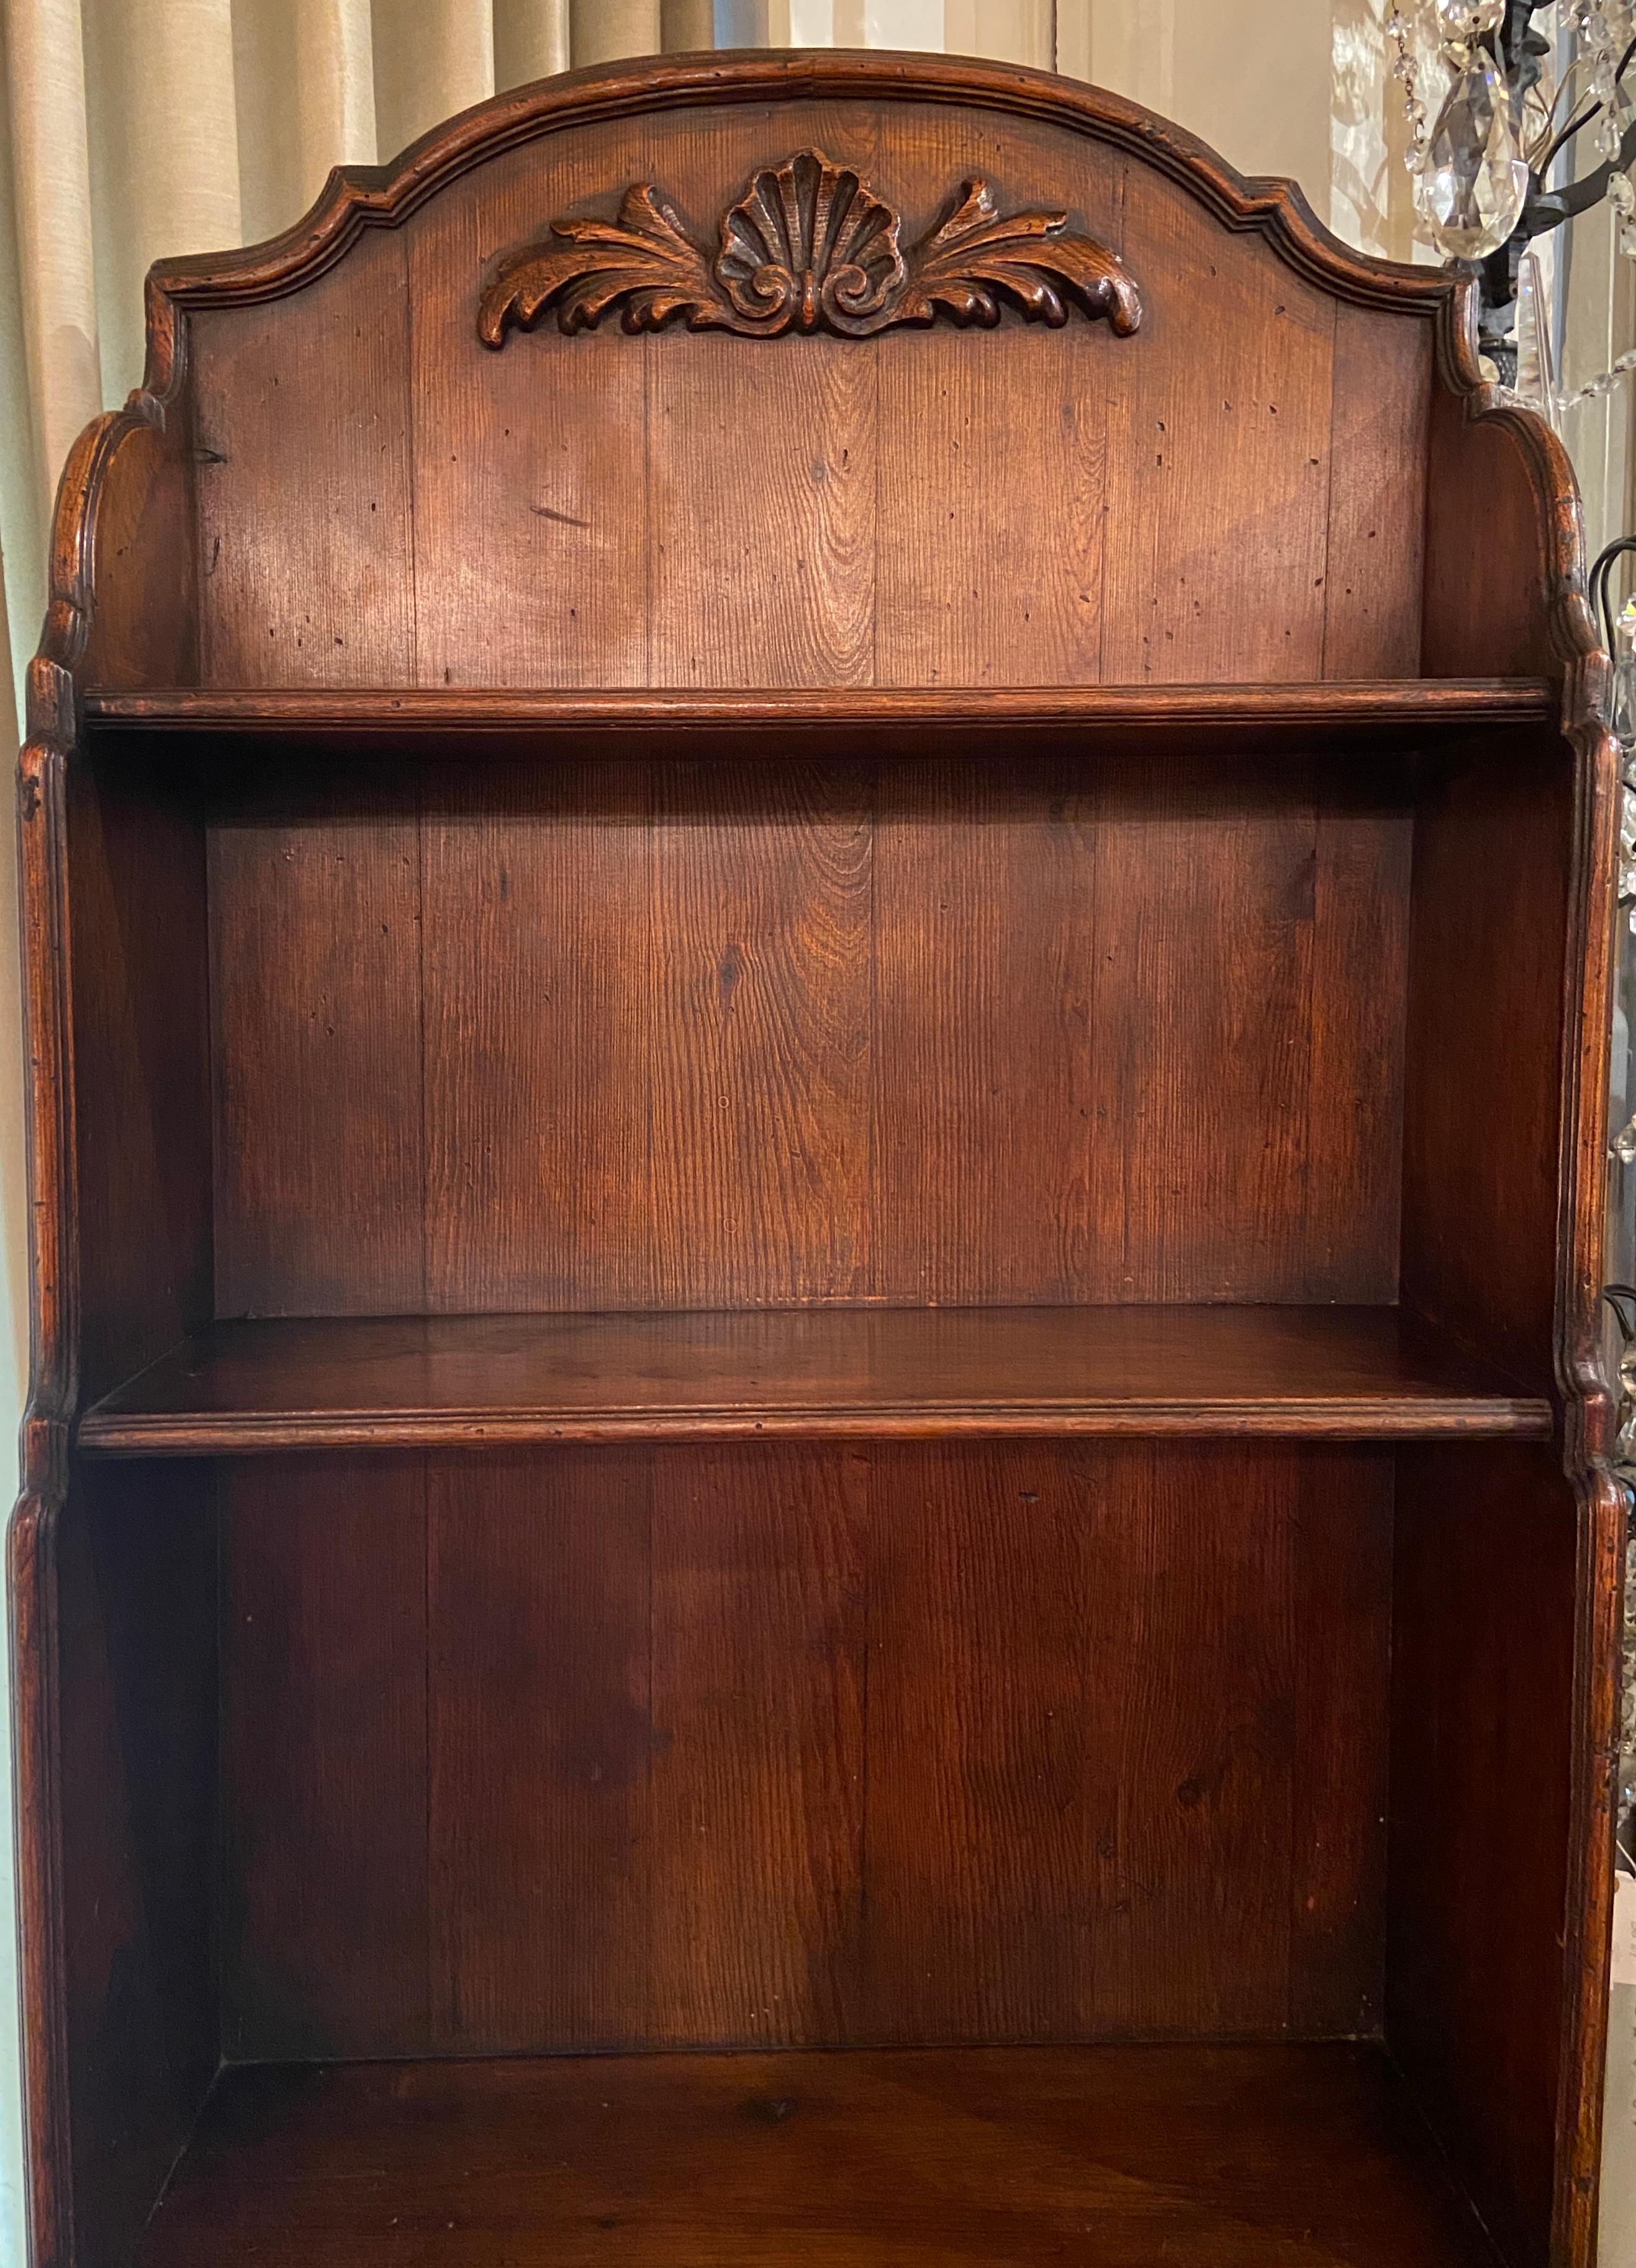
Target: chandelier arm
{"type": "Point", "coordinates": [1576, 125]}
{"type": "Point", "coordinates": [1547, 209]}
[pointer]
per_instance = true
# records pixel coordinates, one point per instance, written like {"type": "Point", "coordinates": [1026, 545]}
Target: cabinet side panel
{"type": "Point", "coordinates": [1481, 1776]}
{"type": "Point", "coordinates": [137, 1662]}
{"type": "Point", "coordinates": [141, 1068]}
{"type": "Point", "coordinates": [1488, 574]}
{"type": "Point", "coordinates": [1483, 1078]}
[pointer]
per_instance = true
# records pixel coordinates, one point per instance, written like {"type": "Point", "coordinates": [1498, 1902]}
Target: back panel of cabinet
{"type": "Point", "coordinates": [792, 1745]}
{"type": "Point", "coordinates": [657, 1034]}
{"type": "Point", "coordinates": [1029, 505]}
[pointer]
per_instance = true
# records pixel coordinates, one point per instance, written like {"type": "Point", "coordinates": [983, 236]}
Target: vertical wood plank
{"type": "Point", "coordinates": [1218, 458]}
{"type": "Point", "coordinates": [1341, 1582]}
{"type": "Point", "coordinates": [142, 1070]}
{"type": "Point", "coordinates": [530, 542]}
{"type": "Point", "coordinates": [1219, 1106]}
{"type": "Point", "coordinates": [1033, 931]}
{"type": "Point", "coordinates": [1190, 1687]}
{"type": "Point", "coordinates": [979, 1897]}
{"type": "Point", "coordinates": [1482, 1729]}
{"type": "Point", "coordinates": [538, 1613]}
{"type": "Point", "coordinates": [1350, 1194]}
{"type": "Point", "coordinates": [760, 1033]}
{"type": "Point", "coordinates": [764, 574]}
{"type": "Point", "coordinates": [1376, 539]}
{"type": "Point", "coordinates": [302, 423]}
{"type": "Point", "coordinates": [315, 1004]}
{"type": "Point", "coordinates": [993, 463]}
{"type": "Point", "coordinates": [324, 1927]}
{"type": "Point", "coordinates": [984, 901]}
{"type": "Point", "coordinates": [539, 957]}
{"type": "Point", "coordinates": [989, 574]}
{"type": "Point", "coordinates": [757, 1790]}
{"type": "Point", "coordinates": [761, 465]}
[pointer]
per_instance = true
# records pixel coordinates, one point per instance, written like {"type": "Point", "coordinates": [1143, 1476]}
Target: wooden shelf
{"type": "Point", "coordinates": [1377, 715]}
{"type": "Point", "coordinates": [1341, 1372]}
{"type": "Point", "coordinates": [1236, 2157]}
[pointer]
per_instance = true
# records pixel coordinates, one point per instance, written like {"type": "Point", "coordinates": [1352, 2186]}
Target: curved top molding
{"type": "Point", "coordinates": [356, 198]}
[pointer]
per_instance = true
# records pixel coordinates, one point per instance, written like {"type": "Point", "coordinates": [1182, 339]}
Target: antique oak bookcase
{"type": "Point", "coordinates": [818, 886]}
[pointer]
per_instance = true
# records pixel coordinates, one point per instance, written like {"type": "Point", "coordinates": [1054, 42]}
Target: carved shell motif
{"type": "Point", "coordinates": [809, 242]}
{"type": "Point", "coordinates": [808, 246]}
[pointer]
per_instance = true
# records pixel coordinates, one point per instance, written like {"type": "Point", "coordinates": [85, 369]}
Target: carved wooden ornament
{"type": "Point", "coordinates": [809, 246]}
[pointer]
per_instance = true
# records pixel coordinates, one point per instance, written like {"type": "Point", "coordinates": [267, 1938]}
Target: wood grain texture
{"type": "Point", "coordinates": [1342, 1543]}
{"type": "Point", "coordinates": [506, 499]}
{"type": "Point", "coordinates": [1360, 1372]}
{"type": "Point", "coordinates": [751, 1745]}
{"type": "Point", "coordinates": [316, 1008]}
{"type": "Point", "coordinates": [718, 1035]}
{"type": "Point", "coordinates": [539, 1668]}
{"type": "Point", "coordinates": [1484, 1067]}
{"type": "Point", "coordinates": [1377, 715]}
{"type": "Point", "coordinates": [1380, 410]}
{"type": "Point", "coordinates": [727, 608]}
{"type": "Point", "coordinates": [145, 627]}
{"type": "Point", "coordinates": [986, 574]}
{"type": "Point", "coordinates": [538, 965]}
{"type": "Point", "coordinates": [924, 508]}
{"type": "Point", "coordinates": [1208, 578]}
{"type": "Point", "coordinates": [1226, 2157]}
{"type": "Point", "coordinates": [136, 1642]}
{"type": "Point", "coordinates": [364, 498]}
{"type": "Point", "coordinates": [323, 1944]}
{"type": "Point", "coordinates": [1480, 1760]}
{"type": "Point", "coordinates": [760, 1061]}
{"type": "Point", "coordinates": [308, 426]}
{"type": "Point", "coordinates": [756, 1920]}
{"type": "Point", "coordinates": [142, 1067]}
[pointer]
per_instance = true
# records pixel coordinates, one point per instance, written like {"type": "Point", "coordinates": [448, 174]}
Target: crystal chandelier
{"type": "Point", "coordinates": [1505, 123]}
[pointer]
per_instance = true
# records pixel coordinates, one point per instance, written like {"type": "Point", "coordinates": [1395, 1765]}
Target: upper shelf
{"type": "Point", "coordinates": [1357, 1373]}
{"type": "Point", "coordinates": [1377, 714]}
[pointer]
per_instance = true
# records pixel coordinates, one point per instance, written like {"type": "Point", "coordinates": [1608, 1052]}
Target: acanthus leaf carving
{"type": "Point", "coordinates": [643, 260]}
{"type": "Point", "coordinates": [808, 246]}
{"type": "Point", "coordinates": [1030, 256]}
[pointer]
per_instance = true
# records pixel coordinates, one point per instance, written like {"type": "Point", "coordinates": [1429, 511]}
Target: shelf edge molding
{"type": "Point", "coordinates": [115, 1434]}
{"type": "Point", "coordinates": [1424, 702]}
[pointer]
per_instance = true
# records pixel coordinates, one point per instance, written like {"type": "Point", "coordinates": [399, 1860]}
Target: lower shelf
{"type": "Point", "coordinates": [1218, 2157]}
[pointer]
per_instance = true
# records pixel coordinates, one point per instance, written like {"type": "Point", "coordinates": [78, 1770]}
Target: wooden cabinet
{"type": "Point", "coordinates": [818, 864]}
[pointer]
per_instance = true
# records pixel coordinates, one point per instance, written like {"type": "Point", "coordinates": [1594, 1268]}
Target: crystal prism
{"type": "Point", "coordinates": [1470, 187]}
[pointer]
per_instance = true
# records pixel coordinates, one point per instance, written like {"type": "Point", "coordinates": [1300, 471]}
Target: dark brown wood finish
{"type": "Point", "coordinates": [709, 943]}
{"type": "Point", "coordinates": [1378, 716]}
{"type": "Point", "coordinates": [802, 1033]}
{"type": "Point", "coordinates": [1244, 2157]}
{"type": "Point", "coordinates": [766, 1744]}
{"type": "Point", "coordinates": [1350, 1373]}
